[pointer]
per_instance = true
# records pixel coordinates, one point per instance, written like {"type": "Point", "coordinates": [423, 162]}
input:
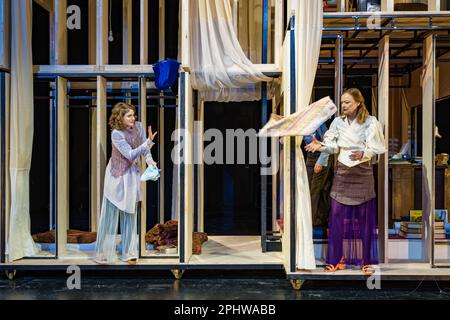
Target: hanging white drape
{"type": "Point", "coordinates": [20, 242]}
{"type": "Point", "coordinates": [220, 69]}
{"type": "Point", "coordinates": [308, 38]}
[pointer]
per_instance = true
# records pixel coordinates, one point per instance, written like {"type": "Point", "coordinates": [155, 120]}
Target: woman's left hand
{"type": "Point", "coordinates": [356, 155]}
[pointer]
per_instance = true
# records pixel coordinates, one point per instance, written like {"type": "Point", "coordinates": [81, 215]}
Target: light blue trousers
{"type": "Point", "coordinates": [107, 239]}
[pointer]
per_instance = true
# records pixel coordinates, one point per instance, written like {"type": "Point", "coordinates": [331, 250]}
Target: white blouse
{"type": "Point", "coordinates": [125, 191]}
{"type": "Point", "coordinates": [344, 138]}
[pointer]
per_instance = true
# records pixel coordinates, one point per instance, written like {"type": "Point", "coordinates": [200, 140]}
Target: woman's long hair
{"type": "Point", "coordinates": [118, 112]}
{"type": "Point", "coordinates": [362, 113]}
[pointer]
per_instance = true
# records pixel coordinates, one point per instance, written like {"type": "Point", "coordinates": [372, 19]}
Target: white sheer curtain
{"type": "Point", "coordinates": [308, 38]}
{"type": "Point", "coordinates": [219, 67]}
{"type": "Point", "coordinates": [20, 242]}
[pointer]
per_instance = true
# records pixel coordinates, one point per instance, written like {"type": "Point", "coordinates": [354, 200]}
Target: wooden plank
{"type": "Point", "coordinates": [94, 213]}
{"type": "Point", "coordinates": [144, 32]}
{"type": "Point", "coordinates": [5, 38]}
{"type": "Point", "coordinates": [101, 146]}
{"type": "Point", "coordinates": [383, 165]}
{"type": "Point", "coordinates": [46, 4]}
{"type": "Point", "coordinates": [92, 31]}
{"type": "Point", "coordinates": [387, 5]}
{"type": "Point", "coordinates": [94, 70]}
{"type": "Point", "coordinates": [286, 239]}
{"type": "Point", "coordinates": [143, 119]}
{"type": "Point", "coordinates": [434, 5]}
{"type": "Point", "coordinates": [102, 32]}
{"type": "Point", "coordinates": [428, 146]}
{"type": "Point", "coordinates": [278, 41]}
{"type": "Point", "coordinates": [185, 38]}
{"type": "Point", "coordinates": [58, 33]}
{"type": "Point", "coordinates": [188, 165]}
{"type": "Point", "coordinates": [62, 166]}
{"type": "Point", "coordinates": [201, 168]}
{"type": "Point", "coordinates": [161, 122]}
{"type": "Point", "coordinates": [341, 5]}
{"type": "Point", "coordinates": [127, 27]}
{"type": "Point", "coordinates": [7, 152]}
{"type": "Point", "coordinates": [338, 73]}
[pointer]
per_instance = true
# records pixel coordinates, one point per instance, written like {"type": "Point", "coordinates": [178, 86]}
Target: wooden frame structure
{"type": "Point", "coordinates": [190, 202]}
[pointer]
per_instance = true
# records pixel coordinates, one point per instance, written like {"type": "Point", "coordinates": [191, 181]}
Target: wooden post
{"type": "Point", "coordinates": [127, 31]}
{"type": "Point", "coordinates": [95, 213]}
{"type": "Point", "coordinates": [102, 32]}
{"type": "Point", "coordinates": [383, 165]}
{"type": "Point", "coordinates": [341, 5]}
{"type": "Point", "coordinates": [92, 31]}
{"type": "Point", "coordinates": [143, 119]}
{"type": "Point", "coordinates": [5, 37]}
{"type": "Point", "coordinates": [387, 5]}
{"type": "Point", "coordinates": [428, 146]}
{"type": "Point", "coordinates": [185, 38]}
{"type": "Point", "coordinates": [161, 121]}
{"type": "Point", "coordinates": [62, 166]}
{"type": "Point", "coordinates": [278, 41]}
{"type": "Point", "coordinates": [100, 149]}
{"type": "Point", "coordinates": [58, 33]}
{"type": "Point", "coordinates": [144, 32]}
{"type": "Point", "coordinates": [201, 168]}
{"type": "Point", "coordinates": [434, 5]}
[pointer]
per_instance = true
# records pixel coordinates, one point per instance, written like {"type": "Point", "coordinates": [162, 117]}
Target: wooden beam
{"type": "Point", "coordinates": [62, 166]}
{"type": "Point", "coordinates": [100, 149]}
{"type": "Point", "coordinates": [434, 5]}
{"type": "Point", "coordinates": [428, 146]}
{"type": "Point", "coordinates": [46, 4]}
{"type": "Point", "coordinates": [387, 5]}
{"type": "Point", "coordinates": [5, 34]}
{"type": "Point", "coordinates": [58, 33]}
{"type": "Point", "coordinates": [201, 168]}
{"type": "Point", "coordinates": [341, 5]}
{"type": "Point", "coordinates": [278, 41]}
{"type": "Point", "coordinates": [144, 32]}
{"type": "Point", "coordinates": [92, 31]}
{"type": "Point", "coordinates": [383, 165]}
{"type": "Point", "coordinates": [127, 34]}
{"type": "Point", "coordinates": [185, 38]}
{"type": "Point", "coordinates": [102, 32]}
{"type": "Point", "coordinates": [94, 70]}
{"type": "Point", "coordinates": [143, 119]}
{"type": "Point", "coordinates": [161, 118]}
{"type": "Point", "coordinates": [93, 163]}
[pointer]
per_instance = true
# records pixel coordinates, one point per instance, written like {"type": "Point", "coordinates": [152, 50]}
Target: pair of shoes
{"type": "Point", "coordinates": [101, 262]}
{"type": "Point", "coordinates": [332, 268]}
{"type": "Point", "coordinates": [129, 260]}
{"type": "Point", "coordinates": [368, 269]}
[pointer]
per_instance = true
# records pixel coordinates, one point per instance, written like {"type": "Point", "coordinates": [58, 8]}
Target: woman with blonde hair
{"type": "Point", "coordinates": [122, 187]}
{"type": "Point", "coordinates": [355, 137]}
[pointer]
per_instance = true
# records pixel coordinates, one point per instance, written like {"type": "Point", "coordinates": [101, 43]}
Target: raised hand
{"type": "Point", "coordinates": [151, 135]}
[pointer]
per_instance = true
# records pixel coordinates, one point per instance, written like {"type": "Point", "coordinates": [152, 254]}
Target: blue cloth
{"type": "Point", "coordinates": [320, 132]}
{"type": "Point", "coordinates": [166, 73]}
{"type": "Point", "coordinates": [151, 173]}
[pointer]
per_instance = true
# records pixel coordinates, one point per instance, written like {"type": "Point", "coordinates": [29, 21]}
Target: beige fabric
{"type": "Point", "coordinates": [20, 242]}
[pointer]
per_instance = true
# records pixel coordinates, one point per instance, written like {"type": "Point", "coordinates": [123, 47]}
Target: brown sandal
{"type": "Point", "coordinates": [365, 269]}
{"type": "Point", "coordinates": [339, 266]}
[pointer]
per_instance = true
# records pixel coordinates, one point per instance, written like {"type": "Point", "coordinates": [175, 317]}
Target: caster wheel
{"type": "Point", "coordinates": [177, 273]}
{"type": "Point", "coordinates": [10, 274]}
{"type": "Point", "coordinates": [297, 283]}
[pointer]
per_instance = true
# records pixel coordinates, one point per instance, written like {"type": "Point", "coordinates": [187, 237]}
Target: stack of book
{"type": "Point", "coordinates": [413, 230]}
{"type": "Point", "coordinates": [410, 230]}
{"type": "Point", "coordinates": [439, 230]}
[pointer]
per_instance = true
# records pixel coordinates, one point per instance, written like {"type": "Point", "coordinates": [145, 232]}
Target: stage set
{"type": "Point", "coordinates": [65, 63]}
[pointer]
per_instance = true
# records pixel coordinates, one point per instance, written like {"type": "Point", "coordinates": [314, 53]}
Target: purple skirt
{"type": "Point", "coordinates": [352, 233]}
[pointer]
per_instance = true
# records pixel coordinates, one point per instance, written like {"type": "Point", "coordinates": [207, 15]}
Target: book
{"type": "Point", "coordinates": [411, 225]}
{"type": "Point", "coordinates": [411, 230]}
{"type": "Point", "coordinates": [440, 215]}
{"type": "Point", "coordinates": [410, 235]}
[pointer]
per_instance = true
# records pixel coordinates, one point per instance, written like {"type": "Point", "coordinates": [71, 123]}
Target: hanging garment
{"type": "Point", "coordinates": [166, 73]}
{"type": "Point", "coordinates": [220, 69]}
